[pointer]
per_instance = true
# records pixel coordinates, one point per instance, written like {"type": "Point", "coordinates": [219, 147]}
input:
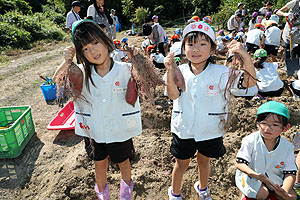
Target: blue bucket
{"type": "Point", "coordinates": [49, 91]}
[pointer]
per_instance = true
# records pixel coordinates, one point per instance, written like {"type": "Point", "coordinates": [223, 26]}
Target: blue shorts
{"type": "Point", "coordinates": [186, 148]}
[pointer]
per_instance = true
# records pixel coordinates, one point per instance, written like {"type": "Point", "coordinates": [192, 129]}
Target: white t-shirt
{"type": "Point", "coordinates": [176, 48]}
{"type": "Point", "coordinates": [275, 164]}
{"type": "Point", "coordinates": [268, 78]}
{"type": "Point", "coordinates": [251, 24]}
{"type": "Point", "coordinates": [233, 24]}
{"type": "Point", "coordinates": [145, 43]}
{"type": "Point", "coordinates": [72, 17]}
{"type": "Point", "coordinates": [254, 36]}
{"type": "Point", "coordinates": [118, 55]}
{"type": "Point", "coordinates": [219, 38]}
{"type": "Point", "coordinates": [252, 91]}
{"type": "Point", "coordinates": [273, 36]}
{"type": "Point", "coordinates": [275, 18]}
{"type": "Point", "coordinates": [103, 114]}
{"type": "Point", "coordinates": [159, 58]}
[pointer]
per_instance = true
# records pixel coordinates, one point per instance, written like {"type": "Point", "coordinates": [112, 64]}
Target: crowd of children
{"type": "Point", "coordinates": [200, 102]}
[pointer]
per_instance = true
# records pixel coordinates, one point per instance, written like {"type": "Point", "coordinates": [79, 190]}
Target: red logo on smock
{"type": "Point", "coordinates": [277, 166]}
{"type": "Point", "coordinates": [117, 83]}
{"type": "Point", "coordinates": [282, 163]}
{"type": "Point", "coordinates": [211, 87]}
{"type": "Point", "coordinates": [82, 126]}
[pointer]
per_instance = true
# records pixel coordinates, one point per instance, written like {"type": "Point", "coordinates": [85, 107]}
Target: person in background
{"type": "Point", "coordinates": [271, 39]}
{"type": "Point", "coordinates": [118, 55]}
{"type": "Point", "coordinates": [222, 46]}
{"type": "Point", "coordinates": [290, 6]}
{"type": "Point", "coordinates": [73, 15]}
{"type": "Point", "coordinates": [207, 19]}
{"type": "Point", "coordinates": [114, 24]}
{"type": "Point", "coordinates": [295, 86]}
{"type": "Point", "coordinates": [234, 22]}
{"type": "Point", "coordinates": [242, 12]}
{"type": "Point", "coordinates": [145, 44]}
{"type": "Point", "coordinates": [269, 83]}
{"type": "Point", "coordinates": [158, 35]}
{"type": "Point", "coordinates": [254, 38]}
{"type": "Point", "coordinates": [266, 166]}
{"type": "Point", "coordinates": [221, 34]}
{"type": "Point", "coordinates": [263, 11]}
{"type": "Point", "coordinates": [253, 21]}
{"type": "Point", "coordinates": [196, 18]}
{"type": "Point", "coordinates": [178, 32]}
{"type": "Point", "coordinates": [275, 17]}
{"type": "Point", "coordinates": [176, 46]}
{"type": "Point", "coordinates": [99, 13]}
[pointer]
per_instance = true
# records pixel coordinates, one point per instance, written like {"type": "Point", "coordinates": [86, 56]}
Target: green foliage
{"type": "Point", "coordinates": [52, 13]}
{"type": "Point", "coordinates": [141, 14]}
{"type": "Point", "coordinates": [13, 36]}
{"type": "Point", "coordinates": [17, 5]}
{"type": "Point", "coordinates": [19, 30]}
{"type": "Point", "coordinates": [127, 8]}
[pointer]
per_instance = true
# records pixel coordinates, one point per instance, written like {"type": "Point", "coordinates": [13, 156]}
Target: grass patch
{"type": "Point", "coordinates": [3, 60]}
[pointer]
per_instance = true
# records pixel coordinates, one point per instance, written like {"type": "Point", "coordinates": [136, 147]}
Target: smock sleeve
{"type": "Point", "coordinates": [244, 154]}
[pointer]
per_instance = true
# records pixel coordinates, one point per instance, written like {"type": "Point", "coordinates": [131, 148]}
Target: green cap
{"type": "Point", "coordinates": [274, 107]}
{"type": "Point", "coordinates": [259, 53]}
{"type": "Point", "coordinates": [177, 59]}
{"type": "Point", "coordinates": [75, 24]}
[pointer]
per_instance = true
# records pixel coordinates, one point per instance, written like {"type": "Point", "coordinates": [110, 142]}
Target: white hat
{"type": "Point", "coordinates": [201, 27]}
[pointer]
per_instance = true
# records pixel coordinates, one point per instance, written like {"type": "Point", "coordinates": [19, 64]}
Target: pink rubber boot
{"type": "Point", "coordinates": [125, 190]}
{"type": "Point", "coordinates": [102, 195]}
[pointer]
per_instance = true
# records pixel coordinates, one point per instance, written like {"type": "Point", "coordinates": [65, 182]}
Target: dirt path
{"type": "Point", "coordinates": [54, 164]}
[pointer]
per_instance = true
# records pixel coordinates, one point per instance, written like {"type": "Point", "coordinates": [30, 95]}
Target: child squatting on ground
{"type": "Point", "coordinates": [200, 106]}
{"type": "Point", "coordinates": [266, 166]}
{"type": "Point", "coordinates": [103, 117]}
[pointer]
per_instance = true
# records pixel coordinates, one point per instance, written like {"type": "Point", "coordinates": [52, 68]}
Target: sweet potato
{"type": "Point", "coordinates": [131, 92]}
{"type": "Point", "coordinates": [75, 77]}
{"type": "Point", "coordinates": [178, 78]}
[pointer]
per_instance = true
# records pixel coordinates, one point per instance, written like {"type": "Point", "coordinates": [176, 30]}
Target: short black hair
{"type": "Point", "coordinates": [75, 3]}
{"type": "Point", "coordinates": [281, 118]}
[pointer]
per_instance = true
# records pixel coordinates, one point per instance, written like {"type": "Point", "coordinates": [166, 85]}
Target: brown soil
{"type": "Point", "coordinates": [54, 164]}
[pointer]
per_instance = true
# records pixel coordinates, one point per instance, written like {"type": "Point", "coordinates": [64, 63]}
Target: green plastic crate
{"type": "Point", "coordinates": [16, 129]}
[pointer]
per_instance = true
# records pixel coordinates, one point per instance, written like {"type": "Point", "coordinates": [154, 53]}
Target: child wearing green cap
{"type": "Point", "coordinates": [269, 83]}
{"type": "Point", "coordinates": [266, 166]}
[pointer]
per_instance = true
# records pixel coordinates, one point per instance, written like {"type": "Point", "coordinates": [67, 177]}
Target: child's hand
{"type": "Point", "coordinates": [237, 47]}
{"type": "Point", "coordinates": [263, 178]}
{"type": "Point", "coordinates": [169, 61]}
{"type": "Point", "coordinates": [69, 53]}
{"type": "Point", "coordinates": [283, 194]}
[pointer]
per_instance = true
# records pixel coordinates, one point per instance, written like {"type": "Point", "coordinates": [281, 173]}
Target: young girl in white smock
{"type": "Point", "coordinates": [102, 115]}
{"type": "Point", "coordinates": [198, 112]}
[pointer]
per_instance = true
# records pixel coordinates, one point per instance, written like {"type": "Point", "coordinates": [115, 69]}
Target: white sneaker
{"type": "Point", "coordinates": [171, 197]}
{"type": "Point", "coordinates": [204, 195]}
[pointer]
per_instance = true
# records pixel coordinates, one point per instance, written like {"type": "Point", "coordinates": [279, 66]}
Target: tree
{"type": "Point", "coordinates": [128, 8]}
{"type": "Point", "coordinates": [141, 14]}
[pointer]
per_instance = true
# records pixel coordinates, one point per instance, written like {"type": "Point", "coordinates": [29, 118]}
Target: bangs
{"type": "Point", "coordinates": [86, 36]}
{"type": "Point", "coordinates": [88, 32]}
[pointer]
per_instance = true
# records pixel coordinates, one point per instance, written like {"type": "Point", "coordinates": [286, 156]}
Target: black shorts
{"type": "Point", "coordinates": [297, 92]}
{"type": "Point", "coordinates": [275, 93]}
{"type": "Point", "coordinates": [117, 151]}
{"type": "Point", "coordinates": [271, 49]}
{"type": "Point", "coordinates": [186, 148]}
{"type": "Point", "coordinates": [251, 47]}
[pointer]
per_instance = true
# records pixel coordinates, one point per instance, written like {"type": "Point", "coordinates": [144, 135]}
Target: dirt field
{"type": "Point", "coordinates": [54, 165]}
